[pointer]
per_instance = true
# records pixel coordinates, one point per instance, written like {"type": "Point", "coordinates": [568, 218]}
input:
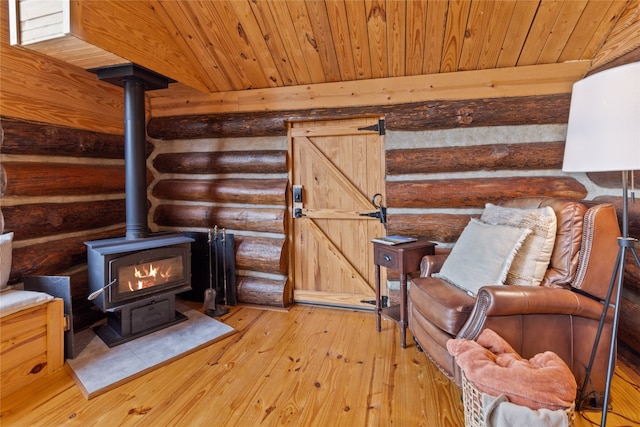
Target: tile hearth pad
{"type": "Point", "coordinates": [98, 368]}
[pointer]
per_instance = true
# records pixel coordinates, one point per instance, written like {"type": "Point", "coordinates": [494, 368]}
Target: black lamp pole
{"type": "Point", "coordinates": [625, 243]}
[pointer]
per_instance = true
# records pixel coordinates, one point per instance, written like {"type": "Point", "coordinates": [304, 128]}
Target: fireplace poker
{"type": "Point", "coordinates": [224, 264]}
{"type": "Point", "coordinates": [217, 266]}
{"type": "Point", "coordinates": [209, 304]}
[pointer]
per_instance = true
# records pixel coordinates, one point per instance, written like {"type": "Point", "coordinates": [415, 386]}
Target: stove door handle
{"type": "Point", "coordinates": [95, 294]}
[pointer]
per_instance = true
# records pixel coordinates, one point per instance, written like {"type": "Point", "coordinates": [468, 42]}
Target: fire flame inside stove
{"type": "Point", "coordinates": [147, 276]}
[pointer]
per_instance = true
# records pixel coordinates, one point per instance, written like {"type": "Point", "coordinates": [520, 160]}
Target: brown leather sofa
{"type": "Point", "coordinates": [561, 315]}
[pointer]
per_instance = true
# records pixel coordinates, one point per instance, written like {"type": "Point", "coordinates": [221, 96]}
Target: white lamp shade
{"type": "Point", "coordinates": [604, 122]}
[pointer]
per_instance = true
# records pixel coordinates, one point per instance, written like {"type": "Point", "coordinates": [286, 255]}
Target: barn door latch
{"type": "Point", "coordinates": [381, 213]}
{"type": "Point", "coordinates": [378, 127]}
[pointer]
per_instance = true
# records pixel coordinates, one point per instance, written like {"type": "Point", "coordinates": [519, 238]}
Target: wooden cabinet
{"type": "Point", "coordinates": [32, 344]}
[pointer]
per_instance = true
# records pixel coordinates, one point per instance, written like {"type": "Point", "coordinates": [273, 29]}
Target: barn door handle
{"type": "Point", "coordinates": [381, 214]}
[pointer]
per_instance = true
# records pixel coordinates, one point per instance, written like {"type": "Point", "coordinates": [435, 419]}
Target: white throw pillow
{"type": "Point", "coordinates": [532, 260]}
{"type": "Point", "coordinates": [482, 255]}
{"type": "Point", "coordinates": [5, 259]}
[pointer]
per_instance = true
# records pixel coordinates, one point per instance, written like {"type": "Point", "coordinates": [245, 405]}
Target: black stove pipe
{"type": "Point", "coordinates": [135, 158]}
{"type": "Point", "coordinates": [135, 80]}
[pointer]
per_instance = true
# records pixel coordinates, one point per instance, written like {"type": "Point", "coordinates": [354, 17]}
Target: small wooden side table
{"type": "Point", "coordinates": [403, 258]}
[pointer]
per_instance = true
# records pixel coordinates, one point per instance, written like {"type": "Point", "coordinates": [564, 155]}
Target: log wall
{"type": "Point", "coordinates": [239, 185]}
{"type": "Point", "coordinates": [442, 166]}
{"type": "Point", "coordinates": [63, 186]}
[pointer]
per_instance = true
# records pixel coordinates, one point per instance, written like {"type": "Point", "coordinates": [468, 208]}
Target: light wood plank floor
{"type": "Point", "coordinates": [309, 366]}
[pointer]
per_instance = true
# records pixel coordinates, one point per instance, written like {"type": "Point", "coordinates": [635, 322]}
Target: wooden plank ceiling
{"type": "Point", "coordinates": [234, 45]}
{"type": "Point", "coordinates": [227, 45]}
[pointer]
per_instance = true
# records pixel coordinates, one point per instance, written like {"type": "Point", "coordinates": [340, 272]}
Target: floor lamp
{"type": "Point", "coordinates": [604, 135]}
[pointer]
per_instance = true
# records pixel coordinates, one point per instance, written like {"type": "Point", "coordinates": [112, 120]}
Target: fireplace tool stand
{"type": "Point", "coordinates": [212, 309]}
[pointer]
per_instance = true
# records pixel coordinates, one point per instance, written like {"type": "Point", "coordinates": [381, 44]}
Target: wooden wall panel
{"type": "Point", "coordinates": [39, 88]}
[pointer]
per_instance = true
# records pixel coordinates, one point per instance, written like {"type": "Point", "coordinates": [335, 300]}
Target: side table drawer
{"type": "Point", "coordinates": [386, 257]}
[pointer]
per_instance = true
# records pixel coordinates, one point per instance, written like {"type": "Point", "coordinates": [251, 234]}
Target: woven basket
{"type": "Point", "coordinates": [474, 412]}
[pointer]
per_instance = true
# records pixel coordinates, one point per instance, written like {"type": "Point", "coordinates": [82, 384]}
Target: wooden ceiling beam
{"type": "Point", "coordinates": [506, 82]}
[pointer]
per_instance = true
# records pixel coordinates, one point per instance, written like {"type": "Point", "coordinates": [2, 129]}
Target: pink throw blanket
{"type": "Point", "coordinates": [493, 367]}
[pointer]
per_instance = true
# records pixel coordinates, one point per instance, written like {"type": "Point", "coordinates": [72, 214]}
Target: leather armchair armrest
{"type": "Point", "coordinates": [432, 264]}
{"type": "Point", "coordinates": [523, 300]}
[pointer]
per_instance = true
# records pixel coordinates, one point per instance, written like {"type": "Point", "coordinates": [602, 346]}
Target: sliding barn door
{"type": "Point", "coordinates": [337, 167]}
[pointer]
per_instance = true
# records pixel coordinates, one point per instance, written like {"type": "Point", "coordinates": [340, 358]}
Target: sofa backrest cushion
{"type": "Point", "coordinates": [532, 260]}
{"type": "Point", "coordinates": [570, 222]}
{"type": "Point", "coordinates": [482, 256]}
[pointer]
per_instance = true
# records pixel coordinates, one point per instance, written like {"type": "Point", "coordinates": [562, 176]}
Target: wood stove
{"type": "Point", "coordinates": [134, 278]}
{"type": "Point", "coordinates": [136, 281]}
